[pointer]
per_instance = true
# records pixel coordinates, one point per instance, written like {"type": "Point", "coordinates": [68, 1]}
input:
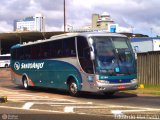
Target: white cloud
{"type": "Point", "coordinates": [52, 28]}
{"type": "Point", "coordinates": [138, 13]}
{"type": "Point", "coordinates": [33, 6]}
{"type": "Point", "coordinates": [124, 29]}
{"type": "Point", "coordinates": [53, 15]}
{"type": "Point", "coordinates": [5, 27]}
{"type": "Point", "coordinates": [32, 2]}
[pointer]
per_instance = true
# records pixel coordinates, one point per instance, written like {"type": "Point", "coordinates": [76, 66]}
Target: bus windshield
{"type": "Point", "coordinates": [114, 56]}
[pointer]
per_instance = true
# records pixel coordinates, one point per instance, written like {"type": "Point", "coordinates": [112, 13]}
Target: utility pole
{"type": "Point", "coordinates": [151, 31]}
{"type": "Point", "coordinates": [132, 27]}
{"type": "Point", "coordinates": [64, 15]}
{"type": "Point", "coordinates": [0, 48]}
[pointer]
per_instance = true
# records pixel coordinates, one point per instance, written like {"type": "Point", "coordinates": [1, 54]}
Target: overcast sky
{"type": "Point", "coordinates": [143, 15]}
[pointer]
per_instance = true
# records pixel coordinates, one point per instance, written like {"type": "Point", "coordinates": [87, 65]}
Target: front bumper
{"type": "Point", "coordinates": [102, 87]}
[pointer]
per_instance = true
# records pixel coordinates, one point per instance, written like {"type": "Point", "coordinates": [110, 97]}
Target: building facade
{"type": "Point", "coordinates": [103, 21]}
{"type": "Point", "coordinates": [32, 23]}
{"type": "Point", "coordinates": [100, 23]}
{"type": "Point", "coordinates": [95, 18]}
{"type": "Point", "coordinates": [142, 45]}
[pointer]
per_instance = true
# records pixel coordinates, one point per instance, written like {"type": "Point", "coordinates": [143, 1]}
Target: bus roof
{"type": "Point", "coordinates": [68, 35]}
{"type": "Point", "coordinates": [86, 34]}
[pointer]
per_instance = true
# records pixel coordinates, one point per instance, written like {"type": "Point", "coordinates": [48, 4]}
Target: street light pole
{"type": "Point", "coordinates": [64, 15]}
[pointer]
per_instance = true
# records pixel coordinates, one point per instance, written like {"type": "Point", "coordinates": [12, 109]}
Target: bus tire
{"type": "Point", "coordinates": [25, 83]}
{"type": "Point", "coordinates": [73, 88]}
{"type": "Point", "coordinates": [6, 66]}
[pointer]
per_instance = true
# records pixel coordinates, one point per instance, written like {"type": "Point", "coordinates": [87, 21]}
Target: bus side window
{"type": "Point", "coordinates": [35, 49]}
{"type": "Point", "coordinates": [20, 55]}
{"type": "Point", "coordinates": [14, 54]}
{"type": "Point", "coordinates": [27, 52]}
{"type": "Point", "coordinates": [73, 52]}
{"type": "Point", "coordinates": [45, 50]}
{"type": "Point", "coordinates": [56, 51]}
{"type": "Point", "coordinates": [59, 53]}
{"type": "Point", "coordinates": [69, 47]}
{"type": "Point", "coordinates": [84, 55]}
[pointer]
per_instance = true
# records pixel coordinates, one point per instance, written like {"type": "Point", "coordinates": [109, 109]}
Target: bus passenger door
{"type": "Point", "coordinates": [86, 64]}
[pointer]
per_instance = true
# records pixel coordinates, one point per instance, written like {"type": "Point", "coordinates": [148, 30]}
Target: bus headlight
{"type": "Point", "coordinates": [134, 81]}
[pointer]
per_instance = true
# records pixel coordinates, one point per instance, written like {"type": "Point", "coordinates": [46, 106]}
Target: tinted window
{"type": "Point", "coordinates": [84, 55]}
{"type": "Point", "coordinates": [35, 52]}
{"type": "Point", "coordinates": [45, 50]}
{"type": "Point", "coordinates": [56, 49]}
{"type": "Point", "coordinates": [69, 47]}
{"type": "Point", "coordinates": [27, 52]}
{"type": "Point", "coordinates": [52, 49]}
{"type": "Point", "coordinates": [20, 54]}
{"type": "Point", "coordinates": [4, 57]}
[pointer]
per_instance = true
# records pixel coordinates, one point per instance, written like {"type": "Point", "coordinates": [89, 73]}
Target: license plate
{"type": "Point", "coordinates": [121, 87]}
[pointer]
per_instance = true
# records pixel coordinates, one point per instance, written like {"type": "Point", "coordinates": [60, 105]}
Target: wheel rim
{"type": "Point", "coordinates": [73, 88]}
{"type": "Point", "coordinates": [25, 84]}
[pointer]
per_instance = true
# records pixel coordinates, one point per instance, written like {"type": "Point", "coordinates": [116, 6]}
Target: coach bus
{"type": "Point", "coordinates": [93, 62]}
{"type": "Point", "coordinates": [5, 60]}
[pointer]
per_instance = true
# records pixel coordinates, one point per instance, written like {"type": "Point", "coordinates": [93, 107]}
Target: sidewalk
{"type": "Point", "coordinates": [154, 91]}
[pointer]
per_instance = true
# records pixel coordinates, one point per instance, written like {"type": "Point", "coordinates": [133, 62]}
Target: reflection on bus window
{"type": "Point", "coordinates": [84, 55]}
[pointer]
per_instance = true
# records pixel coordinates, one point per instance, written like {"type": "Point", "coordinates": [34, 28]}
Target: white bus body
{"type": "Point", "coordinates": [5, 60]}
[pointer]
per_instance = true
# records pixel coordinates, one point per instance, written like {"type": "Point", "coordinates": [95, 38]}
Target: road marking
{"type": "Point", "coordinates": [28, 105]}
{"type": "Point", "coordinates": [154, 109]}
{"type": "Point", "coordinates": [68, 103]}
{"type": "Point", "coordinates": [70, 109]}
{"type": "Point", "coordinates": [121, 111]}
{"type": "Point", "coordinates": [16, 96]}
{"type": "Point", "coordinates": [48, 111]}
{"type": "Point", "coordinates": [116, 112]}
{"type": "Point", "coordinates": [38, 110]}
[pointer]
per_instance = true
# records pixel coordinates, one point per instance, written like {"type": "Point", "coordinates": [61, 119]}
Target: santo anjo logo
{"type": "Point", "coordinates": [33, 65]}
{"type": "Point", "coordinates": [17, 65]}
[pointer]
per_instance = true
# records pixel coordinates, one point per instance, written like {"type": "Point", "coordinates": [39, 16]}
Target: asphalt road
{"type": "Point", "coordinates": [43, 103]}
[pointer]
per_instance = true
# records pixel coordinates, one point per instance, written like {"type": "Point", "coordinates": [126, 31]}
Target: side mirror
{"type": "Point", "coordinates": [92, 55]}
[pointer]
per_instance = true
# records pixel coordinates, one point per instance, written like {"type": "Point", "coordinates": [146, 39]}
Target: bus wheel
{"type": "Point", "coordinates": [109, 93]}
{"type": "Point", "coordinates": [25, 83]}
{"type": "Point", "coordinates": [73, 88]}
{"type": "Point", "coordinates": [6, 66]}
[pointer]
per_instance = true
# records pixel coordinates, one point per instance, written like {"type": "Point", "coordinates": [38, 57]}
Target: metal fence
{"type": "Point", "coordinates": [148, 68]}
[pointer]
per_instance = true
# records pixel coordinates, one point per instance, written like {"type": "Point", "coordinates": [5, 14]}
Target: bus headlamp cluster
{"type": "Point", "coordinates": [134, 81]}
